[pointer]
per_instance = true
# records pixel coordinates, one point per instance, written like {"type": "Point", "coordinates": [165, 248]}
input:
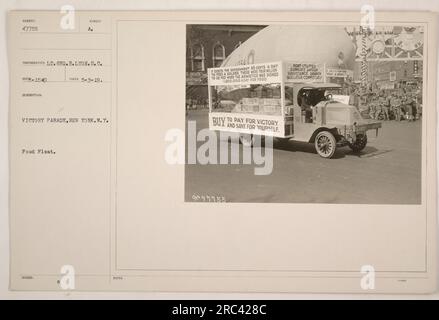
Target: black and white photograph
{"type": "Point", "coordinates": [294, 113]}
{"type": "Point", "coordinates": [282, 152]}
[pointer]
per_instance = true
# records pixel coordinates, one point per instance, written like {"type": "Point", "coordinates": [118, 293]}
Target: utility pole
{"type": "Point", "coordinates": [364, 66]}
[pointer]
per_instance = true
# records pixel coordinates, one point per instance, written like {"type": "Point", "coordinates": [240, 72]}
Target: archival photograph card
{"type": "Point", "coordinates": [223, 151]}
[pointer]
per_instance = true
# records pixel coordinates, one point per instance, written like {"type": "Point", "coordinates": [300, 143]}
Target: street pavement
{"type": "Point", "coordinates": [387, 171]}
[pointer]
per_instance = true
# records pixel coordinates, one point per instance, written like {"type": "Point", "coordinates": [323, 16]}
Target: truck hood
{"type": "Point", "coordinates": [338, 113]}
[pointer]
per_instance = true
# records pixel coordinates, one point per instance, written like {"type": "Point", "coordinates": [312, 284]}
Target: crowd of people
{"type": "Point", "coordinates": [395, 106]}
{"type": "Point", "coordinates": [402, 103]}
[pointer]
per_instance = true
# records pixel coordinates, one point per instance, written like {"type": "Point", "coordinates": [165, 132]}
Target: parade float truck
{"type": "Point", "coordinates": [286, 100]}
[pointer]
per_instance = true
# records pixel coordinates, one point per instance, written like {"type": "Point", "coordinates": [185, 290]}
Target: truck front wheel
{"type": "Point", "coordinates": [360, 143]}
{"type": "Point", "coordinates": [325, 144]}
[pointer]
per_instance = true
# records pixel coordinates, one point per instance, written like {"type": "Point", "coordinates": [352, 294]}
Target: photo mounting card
{"type": "Point", "coordinates": [244, 152]}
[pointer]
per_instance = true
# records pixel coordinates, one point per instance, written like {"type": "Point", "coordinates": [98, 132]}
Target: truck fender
{"type": "Point", "coordinates": [317, 131]}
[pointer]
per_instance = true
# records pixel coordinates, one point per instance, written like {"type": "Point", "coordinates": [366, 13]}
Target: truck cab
{"type": "Point", "coordinates": [315, 114]}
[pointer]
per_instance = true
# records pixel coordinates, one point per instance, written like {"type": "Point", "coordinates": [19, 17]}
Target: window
{"type": "Point", "coordinates": [251, 57]}
{"type": "Point", "coordinates": [197, 57]}
{"type": "Point", "coordinates": [218, 54]}
{"type": "Point", "coordinates": [238, 44]}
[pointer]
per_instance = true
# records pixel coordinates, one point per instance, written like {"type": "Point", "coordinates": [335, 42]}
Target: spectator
{"type": "Point", "coordinates": [384, 106]}
{"type": "Point", "coordinates": [395, 102]}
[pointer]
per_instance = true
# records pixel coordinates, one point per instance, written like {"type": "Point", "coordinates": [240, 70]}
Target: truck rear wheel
{"type": "Point", "coordinates": [325, 144]}
{"type": "Point", "coordinates": [360, 143]}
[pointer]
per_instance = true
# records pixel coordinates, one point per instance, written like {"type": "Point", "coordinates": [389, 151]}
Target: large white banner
{"type": "Point", "coordinates": [247, 123]}
{"type": "Point", "coordinates": [304, 72]}
{"type": "Point", "coordinates": [262, 73]}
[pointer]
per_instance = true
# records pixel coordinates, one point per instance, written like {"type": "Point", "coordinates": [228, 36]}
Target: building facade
{"type": "Point", "coordinates": [208, 46]}
{"type": "Point", "coordinates": [392, 74]}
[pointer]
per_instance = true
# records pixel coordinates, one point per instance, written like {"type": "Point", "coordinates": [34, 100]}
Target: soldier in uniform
{"type": "Point", "coordinates": [372, 109]}
{"type": "Point", "coordinates": [378, 108]}
{"type": "Point", "coordinates": [418, 106]}
{"type": "Point", "coordinates": [407, 105]}
{"type": "Point", "coordinates": [411, 107]}
{"type": "Point", "coordinates": [383, 106]}
{"type": "Point", "coordinates": [395, 103]}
